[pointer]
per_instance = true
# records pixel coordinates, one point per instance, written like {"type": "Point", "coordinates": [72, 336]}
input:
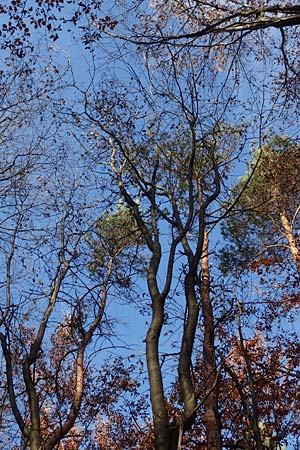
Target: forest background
{"type": "Point", "coordinates": [149, 213]}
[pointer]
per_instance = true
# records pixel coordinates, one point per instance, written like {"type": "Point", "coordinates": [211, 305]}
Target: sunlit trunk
{"type": "Point", "coordinates": [288, 230]}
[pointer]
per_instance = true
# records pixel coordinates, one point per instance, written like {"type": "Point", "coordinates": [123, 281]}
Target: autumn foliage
{"type": "Point", "coordinates": [149, 218]}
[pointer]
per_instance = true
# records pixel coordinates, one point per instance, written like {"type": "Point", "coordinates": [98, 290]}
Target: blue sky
{"type": "Point", "coordinates": [69, 52]}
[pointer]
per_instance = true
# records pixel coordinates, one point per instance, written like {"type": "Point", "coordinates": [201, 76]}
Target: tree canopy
{"type": "Point", "coordinates": [149, 215]}
{"type": "Point", "coordinates": [266, 220]}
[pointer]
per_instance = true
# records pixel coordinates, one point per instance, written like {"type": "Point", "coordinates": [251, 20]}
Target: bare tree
{"type": "Point", "coordinates": [51, 305]}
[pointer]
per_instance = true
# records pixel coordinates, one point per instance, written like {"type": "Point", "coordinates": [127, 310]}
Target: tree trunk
{"type": "Point", "coordinates": [288, 230]}
{"type": "Point", "coordinates": [160, 416]}
{"type": "Point", "coordinates": [184, 369]}
{"type": "Point", "coordinates": [212, 419]}
{"type": "Point", "coordinates": [35, 429]}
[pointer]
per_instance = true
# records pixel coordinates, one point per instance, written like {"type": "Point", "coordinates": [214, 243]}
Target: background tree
{"type": "Point", "coordinates": [265, 223]}
{"type": "Point", "coordinates": [51, 305]}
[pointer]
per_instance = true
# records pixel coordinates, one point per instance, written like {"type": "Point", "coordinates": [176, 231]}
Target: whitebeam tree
{"type": "Point", "coordinates": [170, 174]}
